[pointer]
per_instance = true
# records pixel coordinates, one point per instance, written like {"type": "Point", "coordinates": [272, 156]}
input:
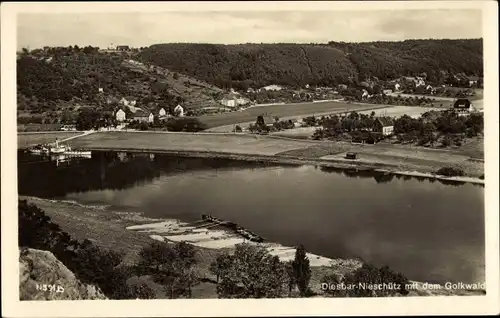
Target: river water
{"type": "Point", "coordinates": [429, 230]}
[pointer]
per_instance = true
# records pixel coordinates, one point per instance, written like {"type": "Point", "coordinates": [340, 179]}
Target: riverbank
{"type": "Point", "coordinates": [389, 158]}
{"type": "Point", "coordinates": [128, 232]}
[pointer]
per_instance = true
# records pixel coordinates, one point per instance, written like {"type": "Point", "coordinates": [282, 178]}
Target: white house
{"type": "Point", "coordinates": [162, 112]}
{"type": "Point", "coordinates": [397, 86]}
{"type": "Point", "coordinates": [365, 94]}
{"type": "Point", "coordinates": [179, 111]}
{"type": "Point", "coordinates": [128, 101]}
{"type": "Point", "coordinates": [228, 102]}
{"type": "Point", "coordinates": [387, 91]}
{"type": "Point", "coordinates": [120, 115]}
{"type": "Point", "coordinates": [272, 88]}
{"type": "Point", "coordinates": [242, 101]}
{"type": "Point", "coordinates": [101, 90]}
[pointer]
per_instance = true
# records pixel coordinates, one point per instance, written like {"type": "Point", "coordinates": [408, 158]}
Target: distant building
{"type": "Point", "coordinates": [463, 107]}
{"type": "Point", "coordinates": [242, 101]}
{"type": "Point", "coordinates": [387, 91]}
{"type": "Point", "coordinates": [383, 125]}
{"type": "Point", "coordinates": [397, 87]}
{"type": "Point", "coordinates": [128, 101]}
{"type": "Point", "coordinates": [142, 116]}
{"type": "Point", "coordinates": [272, 88]}
{"type": "Point", "coordinates": [162, 112]}
{"type": "Point", "coordinates": [101, 90]}
{"type": "Point", "coordinates": [120, 115]}
{"type": "Point", "coordinates": [179, 111]}
{"type": "Point", "coordinates": [228, 102]}
{"type": "Point", "coordinates": [123, 48]}
{"type": "Point", "coordinates": [473, 80]}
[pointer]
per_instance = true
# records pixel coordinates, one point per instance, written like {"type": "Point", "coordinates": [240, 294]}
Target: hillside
{"type": "Point", "coordinates": [317, 64]}
{"type": "Point", "coordinates": [43, 277]}
{"type": "Point", "coordinates": [57, 80]}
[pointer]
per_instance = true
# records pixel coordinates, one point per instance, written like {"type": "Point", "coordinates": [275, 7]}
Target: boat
{"type": "Point", "coordinates": [39, 149]}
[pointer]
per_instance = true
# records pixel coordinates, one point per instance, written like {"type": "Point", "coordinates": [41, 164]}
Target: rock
{"type": "Point", "coordinates": [43, 277]}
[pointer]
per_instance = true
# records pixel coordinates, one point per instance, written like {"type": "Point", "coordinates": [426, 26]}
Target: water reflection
{"type": "Point", "coordinates": [57, 175]}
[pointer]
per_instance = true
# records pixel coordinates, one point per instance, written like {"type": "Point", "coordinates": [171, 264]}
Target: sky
{"type": "Point", "coordinates": [231, 27]}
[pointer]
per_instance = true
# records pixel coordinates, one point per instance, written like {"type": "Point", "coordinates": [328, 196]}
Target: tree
{"type": "Point", "coordinates": [301, 270]}
{"type": "Point", "coordinates": [253, 273]}
{"type": "Point", "coordinates": [368, 274]}
{"type": "Point", "coordinates": [221, 265]}
{"type": "Point", "coordinates": [171, 266]}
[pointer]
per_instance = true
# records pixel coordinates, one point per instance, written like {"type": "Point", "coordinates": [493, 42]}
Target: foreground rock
{"type": "Point", "coordinates": [43, 277]}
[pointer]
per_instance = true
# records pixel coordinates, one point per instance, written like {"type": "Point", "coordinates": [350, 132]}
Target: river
{"type": "Point", "coordinates": [429, 230]}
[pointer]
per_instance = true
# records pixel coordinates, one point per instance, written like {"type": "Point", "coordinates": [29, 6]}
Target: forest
{"type": "Point", "coordinates": [258, 65]}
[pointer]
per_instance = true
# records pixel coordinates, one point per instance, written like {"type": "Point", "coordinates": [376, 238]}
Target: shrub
{"type": "Point", "coordinates": [450, 172]}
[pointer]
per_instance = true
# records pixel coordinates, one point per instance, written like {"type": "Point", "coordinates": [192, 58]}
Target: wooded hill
{"type": "Point", "coordinates": [64, 79]}
{"type": "Point", "coordinates": [257, 65]}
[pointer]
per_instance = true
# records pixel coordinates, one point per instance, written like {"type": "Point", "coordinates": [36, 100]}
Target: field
{"type": "Point", "coordinates": [203, 142]}
{"type": "Point", "coordinates": [281, 111]}
{"type": "Point", "coordinates": [31, 139]}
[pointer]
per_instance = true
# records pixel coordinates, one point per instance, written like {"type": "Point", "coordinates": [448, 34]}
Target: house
{"type": "Point", "coordinates": [473, 80]}
{"type": "Point", "coordinates": [387, 91]}
{"type": "Point", "coordinates": [101, 90]}
{"type": "Point", "coordinates": [128, 101]}
{"type": "Point", "coordinates": [123, 48]}
{"type": "Point", "coordinates": [383, 125]}
{"type": "Point", "coordinates": [364, 94]}
{"type": "Point", "coordinates": [463, 107]}
{"type": "Point", "coordinates": [143, 116]}
{"type": "Point", "coordinates": [162, 112]}
{"type": "Point", "coordinates": [179, 111]}
{"type": "Point", "coordinates": [242, 101]}
{"type": "Point", "coordinates": [228, 102]}
{"type": "Point", "coordinates": [272, 88]}
{"type": "Point", "coordinates": [397, 87]}
{"type": "Point", "coordinates": [120, 115]}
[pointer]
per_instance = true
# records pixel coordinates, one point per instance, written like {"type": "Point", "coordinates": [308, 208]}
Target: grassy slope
{"type": "Point", "coordinates": [31, 139]}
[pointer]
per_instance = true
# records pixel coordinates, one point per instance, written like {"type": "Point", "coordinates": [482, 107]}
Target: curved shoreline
{"type": "Point", "coordinates": [293, 160]}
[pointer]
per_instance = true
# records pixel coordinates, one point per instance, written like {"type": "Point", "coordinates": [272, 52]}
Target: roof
{"type": "Point", "coordinates": [462, 103]}
{"type": "Point", "coordinates": [141, 113]}
{"type": "Point", "coordinates": [385, 121]}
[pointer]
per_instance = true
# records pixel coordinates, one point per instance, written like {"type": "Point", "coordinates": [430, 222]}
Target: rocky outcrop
{"type": "Point", "coordinates": [43, 277]}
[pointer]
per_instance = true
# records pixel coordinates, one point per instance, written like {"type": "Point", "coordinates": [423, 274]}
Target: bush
{"type": "Point", "coordinates": [450, 172]}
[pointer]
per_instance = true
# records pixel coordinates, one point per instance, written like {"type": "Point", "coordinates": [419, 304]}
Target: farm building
{"type": "Point", "coordinates": [383, 125]}
{"type": "Point", "coordinates": [162, 112]}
